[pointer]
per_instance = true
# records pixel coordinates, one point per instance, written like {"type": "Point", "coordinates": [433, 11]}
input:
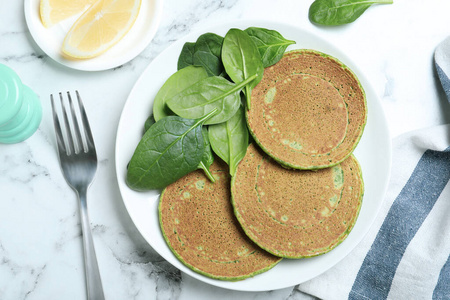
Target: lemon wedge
{"type": "Point", "coordinates": [100, 27]}
{"type": "Point", "coordinates": [55, 11]}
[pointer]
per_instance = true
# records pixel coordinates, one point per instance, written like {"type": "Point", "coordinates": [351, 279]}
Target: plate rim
{"type": "Point", "coordinates": [240, 23]}
{"type": "Point", "coordinates": [98, 63]}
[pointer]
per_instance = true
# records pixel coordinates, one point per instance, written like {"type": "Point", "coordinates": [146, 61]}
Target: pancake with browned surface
{"type": "Point", "coordinates": [308, 111]}
{"type": "Point", "coordinates": [197, 221]}
{"type": "Point", "coordinates": [294, 213]}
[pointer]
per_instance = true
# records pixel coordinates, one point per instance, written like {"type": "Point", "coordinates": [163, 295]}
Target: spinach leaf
{"type": "Point", "coordinates": [186, 57]}
{"type": "Point", "coordinates": [270, 43]}
{"type": "Point", "coordinates": [241, 59]}
{"type": "Point", "coordinates": [209, 42]}
{"type": "Point", "coordinates": [205, 52]}
{"type": "Point", "coordinates": [229, 140]}
{"type": "Point", "coordinates": [212, 64]}
{"type": "Point", "coordinates": [176, 83]}
{"type": "Point", "coordinates": [149, 122]}
{"type": "Point", "coordinates": [208, 48]}
{"type": "Point", "coordinates": [170, 149]}
{"type": "Point", "coordinates": [338, 12]}
{"type": "Point", "coordinates": [206, 95]}
{"type": "Point", "coordinates": [208, 157]}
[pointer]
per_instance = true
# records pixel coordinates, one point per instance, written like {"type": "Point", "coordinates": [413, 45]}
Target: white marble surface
{"type": "Point", "coordinates": [40, 243]}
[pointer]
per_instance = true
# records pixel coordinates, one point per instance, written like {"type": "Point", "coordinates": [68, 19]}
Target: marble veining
{"type": "Point", "coordinates": [40, 236]}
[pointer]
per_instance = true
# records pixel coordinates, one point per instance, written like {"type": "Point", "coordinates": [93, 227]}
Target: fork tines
{"type": "Point", "coordinates": [70, 140]}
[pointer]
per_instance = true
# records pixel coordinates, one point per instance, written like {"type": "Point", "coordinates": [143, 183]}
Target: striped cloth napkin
{"type": "Point", "coordinates": [442, 63]}
{"type": "Point", "coordinates": [406, 253]}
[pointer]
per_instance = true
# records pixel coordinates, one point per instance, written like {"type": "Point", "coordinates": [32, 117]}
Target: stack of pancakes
{"type": "Point", "coordinates": [297, 192]}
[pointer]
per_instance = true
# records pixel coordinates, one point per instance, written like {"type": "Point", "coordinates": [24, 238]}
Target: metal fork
{"type": "Point", "coordinates": [78, 160]}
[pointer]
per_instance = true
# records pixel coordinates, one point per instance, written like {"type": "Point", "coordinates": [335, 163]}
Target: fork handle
{"type": "Point", "coordinates": [93, 280]}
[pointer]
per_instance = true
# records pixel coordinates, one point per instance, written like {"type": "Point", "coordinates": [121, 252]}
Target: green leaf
{"type": "Point", "coordinates": [176, 83]}
{"type": "Point", "coordinates": [338, 12]}
{"type": "Point", "coordinates": [208, 157]}
{"type": "Point", "coordinates": [270, 43]}
{"type": "Point", "coordinates": [205, 52]}
{"type": "Point", "coordinates": [170, 149]}
{"type": "Point", "coordinates": [212, 64]}
{"type": "Point", "coordinates": [206, 95]}
{"type": "Point", "coordinates": [229, 140]}
{"type": "Point", "coordinates": [241, 59]}
{"type": "Point", "coordinates": [149, 122]}
{"type": "Point", "coordinates": [186, 57]}
{"type": "Point", "coordinates": [209, 42]}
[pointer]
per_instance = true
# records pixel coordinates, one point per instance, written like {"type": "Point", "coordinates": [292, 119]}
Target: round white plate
{"type": "Point", "coordinates": [50, 39]}
{"type": "Point", "coordinates": [373, 153]}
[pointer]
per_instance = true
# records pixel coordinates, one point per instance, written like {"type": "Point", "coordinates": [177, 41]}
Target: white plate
{"type": "Point", "coordinates": [50, 39]}
{"type": "Point", "coordinates": [373, 152]}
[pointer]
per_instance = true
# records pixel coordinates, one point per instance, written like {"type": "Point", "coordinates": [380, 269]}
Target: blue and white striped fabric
{"type": "Point", "coordinates": [406, 254]}
{"type": "Point", "coordinates": [442, 63]}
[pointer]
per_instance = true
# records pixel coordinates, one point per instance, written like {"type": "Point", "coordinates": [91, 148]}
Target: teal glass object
{"type": "Point", "coordinates": [20, 108]}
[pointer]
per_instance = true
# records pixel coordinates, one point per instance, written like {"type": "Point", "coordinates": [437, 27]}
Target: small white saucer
{"type": "Point", "coordinates": [140, 35]}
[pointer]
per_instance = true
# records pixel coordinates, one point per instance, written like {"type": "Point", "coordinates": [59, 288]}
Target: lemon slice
{"type": "Point", "coordinates": [55, 11]}
{"type": "Point", "coordinates": [100, 27]}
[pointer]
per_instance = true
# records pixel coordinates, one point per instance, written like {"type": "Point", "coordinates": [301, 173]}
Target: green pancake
{"type": "Point", "coordinates": [198, 224]}
{"type": "Point", "coordinates": [294, 213]}
{"type": "Point", "coordinates": [308, 111]}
